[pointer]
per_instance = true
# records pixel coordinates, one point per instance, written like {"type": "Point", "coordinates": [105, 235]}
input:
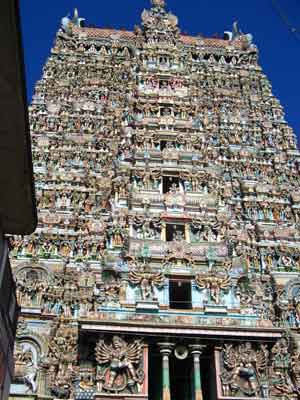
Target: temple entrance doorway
{"type": "Point", "coordinates": [155, 373]}
{"type": "Point", "coordinates": [181, 378]}
{"type": "Point", "coordinates": [208, 379]}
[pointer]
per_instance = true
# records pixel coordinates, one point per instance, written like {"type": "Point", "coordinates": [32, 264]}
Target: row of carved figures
{"type": "Point", "coordinates": [82, 295]}
{"type": "Point", "coordinates": [118, 365]}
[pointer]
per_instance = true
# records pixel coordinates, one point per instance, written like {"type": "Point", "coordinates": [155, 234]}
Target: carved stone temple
{"type": "Point", "coordinates": [166, 262]}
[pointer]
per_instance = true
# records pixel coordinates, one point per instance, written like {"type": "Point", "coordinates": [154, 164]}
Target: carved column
{"type": "Point", "coordinates": [42, 381]}
{"type": "Point", "coordinates": [163, 232]}
{"type": "Point", "coordinates": [187, 233]}
{"type": "Point", "coordinates": [166, 350]}
{"type": "Point", "coordinates": [123, 290]}
{"type": "Point", "coordinates": [196, 351]}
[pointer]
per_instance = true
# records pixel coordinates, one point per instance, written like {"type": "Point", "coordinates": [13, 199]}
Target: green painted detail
{"type": "Point", "coordinates": [166, 377]}
{"type": "Point", "coordinates": [197, 379]}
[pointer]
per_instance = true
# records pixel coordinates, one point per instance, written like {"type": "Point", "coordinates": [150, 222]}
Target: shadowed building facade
{"type": "Point", "coordinates": [165, 265]}
{"type": "Point", "coordinates": [17, 202]}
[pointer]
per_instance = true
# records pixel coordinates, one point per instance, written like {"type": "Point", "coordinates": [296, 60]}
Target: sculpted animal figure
{"type": "Point", "coordinates": [25, 368]}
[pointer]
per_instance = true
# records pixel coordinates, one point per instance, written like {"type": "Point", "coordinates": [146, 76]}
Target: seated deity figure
{"type": "Point", "coordinates": [178, 235]}
{"type": "Point", "coordinates": [170, 146]}
{"type": "Point", "coordinates": [148, 231]}
{"type": "Point", "coordinates": [174, 188]}
{"type": "Point", "coordinates": [187, 186]}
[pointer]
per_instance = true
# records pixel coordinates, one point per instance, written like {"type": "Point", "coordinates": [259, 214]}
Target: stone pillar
{"type": "Point", "coordinates": [196, 351]}
{"type": "Point", "coordinates": [187, 233]}
{"type": "Point", "coordinates": [42, 382]}
{"type": "Point", "coordinates": [123, 290]}
{"type": "Point", "coordinates": [165, 351]}
{"type": "Point", "coordinates": [163, 232]}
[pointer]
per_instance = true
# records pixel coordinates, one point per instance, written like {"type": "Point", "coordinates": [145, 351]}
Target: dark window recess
{"type": "Point", "coordinates": [163, 84]}
{"type": "Point", "coordinates": [180, 294]}
{"type": "Point", "coordinates": [170, 182]}
{"type": "Point", "coordinates": [175, 233]}
{"type": "Point", "coordinates": [163, 60]}
{"type": "Point", "coordinates": [167, 144]}
{"type": "Point", "coordinates": [163, 145]}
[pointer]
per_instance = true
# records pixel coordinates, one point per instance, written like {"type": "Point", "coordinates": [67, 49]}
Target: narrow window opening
{"type": "Point", "coordinates": [163, 144]}
{"type": "Point", "coordinates": [180, 292]}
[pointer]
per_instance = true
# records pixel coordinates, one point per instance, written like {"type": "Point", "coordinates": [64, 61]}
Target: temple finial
{"type": "Point", "coordinates": [158, 3]}
{"type": "Point", "coordinates": [67, 22]}
{"type": "Point", "coordinates": [76, 20]}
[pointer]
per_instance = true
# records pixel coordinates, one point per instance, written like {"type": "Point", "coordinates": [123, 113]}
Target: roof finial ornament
{"type": "Point", "coordinates": [237, 34]}
{"type": "Point", "coordinates": [158, 3]}
{"type": "Point", "coordinates": [67, 22]}
{"type": "Point", "coordinates": [76, 20]}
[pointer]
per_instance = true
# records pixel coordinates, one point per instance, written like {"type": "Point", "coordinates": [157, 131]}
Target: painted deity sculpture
{"type": "Point", "coordinates": [119, 365]}
{"type": "Point", "coordinates": [244, 370]}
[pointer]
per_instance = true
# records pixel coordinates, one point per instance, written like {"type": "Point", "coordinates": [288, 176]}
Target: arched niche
{"type": "Point", "coordinates": [29, 351]}
{"type": "Point", "coordinates": [31, 281]}
{"type": "Point", "coordinates": [292, 289]}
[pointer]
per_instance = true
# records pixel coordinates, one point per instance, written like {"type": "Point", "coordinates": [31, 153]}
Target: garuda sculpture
{"type": "Point", "coordinates": [119, 365]}
{"type": "Point", "coordinates": [147, 281]}
{"type": "Point", "coordinates": [214, 284]}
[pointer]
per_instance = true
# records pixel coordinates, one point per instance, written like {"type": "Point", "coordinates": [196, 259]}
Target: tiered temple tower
{"type": "Point", "coordinates": [167, 257]}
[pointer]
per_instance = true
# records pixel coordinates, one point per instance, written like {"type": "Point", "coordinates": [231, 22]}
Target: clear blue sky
{"type": "Point", "coordinates": [279, 48]}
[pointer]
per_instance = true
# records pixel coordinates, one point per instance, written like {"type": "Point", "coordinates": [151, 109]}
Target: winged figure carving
{"type": "Point", "coordinates": [147, 281]}
{"type": "Point", "coordinates": [119, 365]}
{"type": "Point", "coordinates": [214, 284]}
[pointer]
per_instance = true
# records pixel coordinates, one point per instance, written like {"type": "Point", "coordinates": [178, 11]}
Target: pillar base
{"type": "Point", "coordinates": [166, 394]}
{"type": "Point", "coordinates": [198, 394]}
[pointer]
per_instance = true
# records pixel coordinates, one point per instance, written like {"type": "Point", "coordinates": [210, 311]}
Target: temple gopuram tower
{"type": "Point", "coordinates": [166, 263]}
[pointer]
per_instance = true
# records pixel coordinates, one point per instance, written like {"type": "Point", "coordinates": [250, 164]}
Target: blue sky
{"type": "Point", "coordinates": [279, 48]}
